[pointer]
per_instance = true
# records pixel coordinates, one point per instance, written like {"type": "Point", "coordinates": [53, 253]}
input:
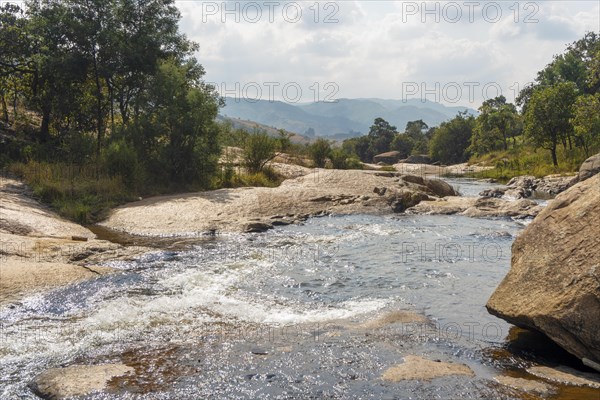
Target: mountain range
{"type": "Point", "coordinates": [340, 119]}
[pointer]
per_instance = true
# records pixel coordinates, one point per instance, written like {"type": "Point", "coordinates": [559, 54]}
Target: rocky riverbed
{"type": "Point", "coordinates": [379, 283]}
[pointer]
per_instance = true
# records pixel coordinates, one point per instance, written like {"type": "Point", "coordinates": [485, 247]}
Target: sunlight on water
{"type": "Point", "coordinates": [304, 293]}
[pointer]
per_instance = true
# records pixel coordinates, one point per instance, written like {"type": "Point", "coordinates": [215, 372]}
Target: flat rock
{"type": "Point", "coordinates": [483, 207]}
{"type": "Point", "coordinates": [566, 375]}
{"type": "Point", "coordinates": [418, 368]}
{"type": "Point", "coordinates": [525, 385]}
{"type": "Point", "coordinates": [396, 317]}
{"type": "Point", "coordinates": [76, 380]}
{"type": "Point", "coordinates": [322, 192]}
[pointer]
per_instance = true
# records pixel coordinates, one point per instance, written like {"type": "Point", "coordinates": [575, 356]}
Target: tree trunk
{"type": "Point", "coordinates": [99, 99]}
{"type": "Point", "coordinates": [45, 128]}
{"type": "Point", "coordinates": [4, 108]}
{"type": "Point", "coordinates": [554, 159]}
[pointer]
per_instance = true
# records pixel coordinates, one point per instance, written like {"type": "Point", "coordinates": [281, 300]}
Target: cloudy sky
{"type": "Point", "coordinates": [456, 53]}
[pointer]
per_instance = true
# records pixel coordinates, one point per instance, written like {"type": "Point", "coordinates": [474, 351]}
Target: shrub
{"type": "Point", "coordinates": [338, 158]}
{"type": "Point", "coordinates": [259, 149]}
{"type": "Point", "coordinates": [120, 159]}
{"type": "Point", "coordinates": [319, 151]}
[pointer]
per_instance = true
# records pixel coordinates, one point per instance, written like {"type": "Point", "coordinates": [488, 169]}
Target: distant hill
{"type": "Point", "coordinates": [341, 119]}
{"type": "Point", "coordinates": [250, 126]}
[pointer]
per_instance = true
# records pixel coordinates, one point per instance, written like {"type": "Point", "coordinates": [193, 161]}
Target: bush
{"type": "Point", "coordinates": [319, 151]}
{"type": "Point", "coordinates": [353, 163]}
{"type": "Point", "coordinates": [120, 159]}
{"type": "Point", "coordinates": [80, 193]}
{"type": "Point", "coordinates": [338, 158]}
{"type": "Point", "coordinates": [259, 149]}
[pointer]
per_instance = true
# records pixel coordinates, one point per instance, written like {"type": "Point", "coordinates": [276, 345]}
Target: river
{"type": "Point", "coordinates": [288, 314]}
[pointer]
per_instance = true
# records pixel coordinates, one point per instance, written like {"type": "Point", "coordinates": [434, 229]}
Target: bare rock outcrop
{"type": "Point", "coordinates": [478, 207]}
{"type": "Point", "coordinates": [589, 168]}
{"type": "Point", "coordinates": [39, 250]}
{"type": "Point", "coordinates": [256, 209]}
{"type": "Point", "coordinates": [526, 186]}
{"type": "Point", "coordinates": [553, 285]}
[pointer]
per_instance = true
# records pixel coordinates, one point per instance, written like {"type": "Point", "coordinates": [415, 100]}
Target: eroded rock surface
{"type": "Point", "coordinates": [553, 285]}
{"type": "Point", "coordinates": [255, 209]}
{"type": "Point", "coordinates": [419, 368]}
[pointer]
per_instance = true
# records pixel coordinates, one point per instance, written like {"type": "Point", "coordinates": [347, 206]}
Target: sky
{"type": "Point", "coordinates": [453, 52]}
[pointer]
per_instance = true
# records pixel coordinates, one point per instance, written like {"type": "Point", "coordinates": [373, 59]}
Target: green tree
{"type": "Point", "coordinates": [319, 152]}
{"type": "Point", "coordinates": [381, 135]}
{"type": "Point", "coordinates": [451, 140]}
{"type": "Point", "coordinates": [259, 149]}
{"type": "Point", "coordinates": [578, 64]}
{"type": "Point", "coordinates": [176, 128]}
{"type": "Point", "coordinates": [497, 122]}
{"type": "Point", "coordinates": [415, 130]}
{"type": "Point", "coordinates": [403, 144]}
{"type": "Point", "coordinates": [586, 121]}
{"type": "Point", "coordinates": [16, 64]}
{"type": "Point", "coordinates": [548, 116]}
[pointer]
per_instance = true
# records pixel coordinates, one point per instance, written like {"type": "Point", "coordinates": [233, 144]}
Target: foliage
{"type": "Point", "coordinates": [548, 116]}
{"type": "Point", "coordinates": [497, 122]}
{"type": "Point", "coordinates": [381, 135]}
{"type": "Point", "coordinates": [403, 144]}
{"type": "Point", "coordinates": [284, 140]}
{"type": "Point", "coordinates": [319, 152]}
{"type": "Point", "coordinates": [451, 140]}
{"type": "Point", "coordinates": [338, 158]}
{"type": "Point", "coordinates": [259, 149]}
{"type": "Point", "coordinates": [77, 192]}
{"type": "Point", "coordinates": [586, 122]}
{"type": "Point", "coordinates": [526, 159]}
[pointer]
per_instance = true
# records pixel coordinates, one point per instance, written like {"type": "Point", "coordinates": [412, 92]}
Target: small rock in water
{"type": "Point", "coordinates": [418, 368]}
{"type": "Point", "coordinates": [259, 352]}
{"type": "Point", "coordinates": [75, 380]}
{"type": "Point", "coordinates": [255, 227]}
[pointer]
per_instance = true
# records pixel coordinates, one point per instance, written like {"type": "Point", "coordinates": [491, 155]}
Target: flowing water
{"type": "Point", "coordinates": [285, 314]}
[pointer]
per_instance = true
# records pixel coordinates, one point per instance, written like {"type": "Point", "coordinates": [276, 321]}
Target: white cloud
{"type": "Point", "coordinates": [377, 45]}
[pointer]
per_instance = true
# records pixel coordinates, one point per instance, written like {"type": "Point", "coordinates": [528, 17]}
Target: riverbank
{"type": "Point", "coordinates": [41, 251]}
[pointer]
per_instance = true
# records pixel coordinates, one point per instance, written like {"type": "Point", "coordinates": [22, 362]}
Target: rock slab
{"type": "Point", "coordinates": [419, 368]}
{"type": "Point", "coordinates": [75, 380]}
{"type": "Point", "coordinates": [553, 285]}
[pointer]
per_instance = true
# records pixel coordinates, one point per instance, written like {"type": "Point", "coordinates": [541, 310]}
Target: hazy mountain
{"type": "Point", "coordinates": [250, 126]}
{"type": "Point", "coordinates": [340, 119]}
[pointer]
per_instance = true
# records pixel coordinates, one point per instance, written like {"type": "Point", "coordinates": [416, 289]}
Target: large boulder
{"type": "Point", "coordinates": [391, 157]}
{"type": "Point", "coordinates": [553, 285]}
{"type": "Point", "coordinates": [589, 168]}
